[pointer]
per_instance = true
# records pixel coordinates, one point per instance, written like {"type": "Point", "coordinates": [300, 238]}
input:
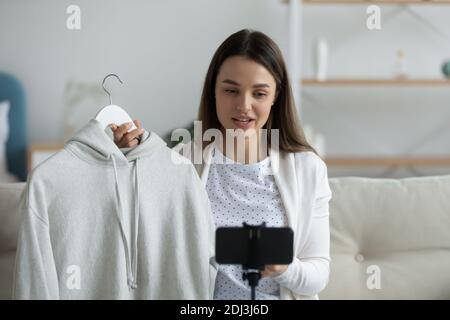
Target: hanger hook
{"type": "Point", "coordinates": [103, 84]}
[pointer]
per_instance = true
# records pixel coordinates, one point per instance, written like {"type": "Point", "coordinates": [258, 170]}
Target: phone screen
{"type": "Point", "coordinates": [234, 245]}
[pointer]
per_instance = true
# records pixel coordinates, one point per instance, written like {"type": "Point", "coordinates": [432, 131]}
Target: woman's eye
{"type": "Point", "coordinates": [261, 94]}
{"type": "Point", "coordinates": [230, 91]}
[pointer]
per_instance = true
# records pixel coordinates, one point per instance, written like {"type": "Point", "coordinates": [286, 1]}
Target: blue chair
{"type": "Point", "coordinates": [16, 146]}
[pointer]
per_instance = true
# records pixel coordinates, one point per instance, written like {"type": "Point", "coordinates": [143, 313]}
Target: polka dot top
{"type": "Point", "coordinates": [243, 193]}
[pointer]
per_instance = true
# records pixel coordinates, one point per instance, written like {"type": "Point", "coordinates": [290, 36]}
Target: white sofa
{"type": "Point", "coordinates": [390, 239]}
{"type": "Point", "coordinates": [395, 229]}
{"type": "Point", "coordinates": [10, 194]}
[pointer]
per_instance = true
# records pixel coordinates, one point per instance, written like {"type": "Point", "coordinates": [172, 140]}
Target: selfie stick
{"type": "Point", "coordinates": [252, 270]}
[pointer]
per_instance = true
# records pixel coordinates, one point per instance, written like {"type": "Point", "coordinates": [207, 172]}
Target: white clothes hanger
{"type": "Point", "coordinates": [113, 113]}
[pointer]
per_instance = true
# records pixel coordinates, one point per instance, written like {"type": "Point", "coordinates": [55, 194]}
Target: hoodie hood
{"type": "Point", "coordinates": [93, 144]}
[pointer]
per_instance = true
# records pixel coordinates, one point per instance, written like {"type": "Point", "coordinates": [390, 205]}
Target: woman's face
{"type": "Point", "coordinates": [245, 92]}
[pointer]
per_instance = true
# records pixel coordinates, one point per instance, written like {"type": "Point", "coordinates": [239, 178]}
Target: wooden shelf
{"type": "Point", "coordinates": [379, 2]}
{"type": "Point", "coordinates": [434, 161]}
{"type": "Point", "coordinates": [376, 82]}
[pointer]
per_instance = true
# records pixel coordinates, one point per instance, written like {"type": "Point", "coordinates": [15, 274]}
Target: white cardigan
{"type": "Point", "coordinates": [302, 181]}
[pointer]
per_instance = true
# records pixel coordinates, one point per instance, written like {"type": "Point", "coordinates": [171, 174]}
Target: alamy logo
{"type": "Point", "coordinates": [374, 280]}
{"type": "Point", "coordinates": [373, 21]}
{"type": "Point", "coordinates": [73, 22]}
{"type": "Point", "coordinates": [233, 141]}
{"type": "Point", "coordinates": [73, 281]}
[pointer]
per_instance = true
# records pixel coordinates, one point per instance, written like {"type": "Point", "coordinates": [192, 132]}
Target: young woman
{"type": "Point", "coordinates": [247, 89]}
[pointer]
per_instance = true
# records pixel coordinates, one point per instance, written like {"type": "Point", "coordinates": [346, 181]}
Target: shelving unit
{"type": "Point", "coordinates": [376, 82]}
{"type": "Point", "coordinates": [295, 50]}
{"type": "Point", "coordinates": [381, 2]}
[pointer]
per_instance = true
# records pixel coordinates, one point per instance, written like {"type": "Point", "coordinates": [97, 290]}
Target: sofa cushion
{"type": "Point", "coordinates": [390, 239]}
{"type": "Point", "coordinates": [7, 260]}
{"type": "Point", "coordinates": [10, 194]}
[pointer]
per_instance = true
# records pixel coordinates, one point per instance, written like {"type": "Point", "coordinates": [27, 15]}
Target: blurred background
{"type": "Point", "coordinates": [374, 103]}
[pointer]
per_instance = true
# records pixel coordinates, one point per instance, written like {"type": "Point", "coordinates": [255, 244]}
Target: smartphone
{"type": "Point", "coordinates": [248, 247]}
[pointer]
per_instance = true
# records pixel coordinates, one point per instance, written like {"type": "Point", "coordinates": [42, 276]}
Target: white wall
{"type": "Point", "coordinates": [162, 48]}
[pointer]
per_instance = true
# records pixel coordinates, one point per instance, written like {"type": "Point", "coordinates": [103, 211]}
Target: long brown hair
{"type": "Point", "coordinates": [260, 48]}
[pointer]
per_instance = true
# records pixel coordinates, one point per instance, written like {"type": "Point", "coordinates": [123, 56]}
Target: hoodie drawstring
{"type": "Point", "coordinates": [136, 223]}
{"type": "Point", "coordinates": [131, 262]}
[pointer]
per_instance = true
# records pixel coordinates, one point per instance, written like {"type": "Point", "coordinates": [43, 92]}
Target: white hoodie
{"type": "Point", "coordinates": [98, 224]}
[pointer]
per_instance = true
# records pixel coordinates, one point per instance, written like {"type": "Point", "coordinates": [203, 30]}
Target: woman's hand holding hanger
{"type": "Point", "coordinates": [125, 139]}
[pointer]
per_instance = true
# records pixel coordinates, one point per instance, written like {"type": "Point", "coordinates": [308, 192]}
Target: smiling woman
{"type": "Point", "coordinates": [247, 90]}
{"type": "Point", "coordinates": [247, 87]}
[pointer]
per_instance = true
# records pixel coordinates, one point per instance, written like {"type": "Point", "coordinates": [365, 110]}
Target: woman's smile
{"type": "Point", "coordinates": [243, 123]}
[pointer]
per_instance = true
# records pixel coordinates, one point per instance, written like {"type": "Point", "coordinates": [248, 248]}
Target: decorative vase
{"type": "Point", "coordinates": [446, 69]}
{"type": "Point", "coordinates": [321, 59]}
{"type": "Point", "coordinates": [400, 65]}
